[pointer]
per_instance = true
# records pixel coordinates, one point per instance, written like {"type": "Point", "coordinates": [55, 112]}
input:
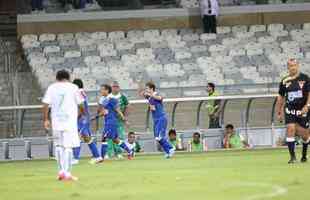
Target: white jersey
{"type": "Point", "coordinates": [63, 98]}
{"type": "Point", "coordinates": [130, 146]}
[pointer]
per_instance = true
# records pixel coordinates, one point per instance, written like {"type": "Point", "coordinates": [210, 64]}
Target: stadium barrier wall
{"type": "Point", "coordinates": [159, 18]}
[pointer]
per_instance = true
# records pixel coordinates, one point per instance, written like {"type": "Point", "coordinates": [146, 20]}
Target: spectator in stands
{"type": "Point", "coordinates": [209, 12]}
{"type": "Point", "coordinates": [232, 139]}
{"type": "Point", "coordinates": [195, 144]}
{"type": "Point", "coordinates": [174, 140]}
{"type": "Point", "coordinates": [213, 107]}
{"type": "Point", "coordinates": [133, 143]}
{"type": "Point", "coordinates": [37, 5]}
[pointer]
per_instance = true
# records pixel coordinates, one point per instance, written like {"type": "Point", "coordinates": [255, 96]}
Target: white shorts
{"type": "Point", "coordinates": [67, 139]}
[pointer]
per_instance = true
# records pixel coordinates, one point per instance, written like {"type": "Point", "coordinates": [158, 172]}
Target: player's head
{"type": "Point", "coordinates": [131, 137]}
{"type": "Point", "coordinates": [292, 66]}
{"type": "Point", "coordinates": [115, 87]}
{"type": "Point", "coordinates": [62, 75]}
{"type": "Point", "coordinates": [210, 87]}
{"type": "Point", "coordinates": [196, 137]}
{"type": "Point", "coordinates": [78, 82]}
{"type": "Point", "coordinates": [172, 134]}
{"type": "Point", "coordinates": [229, 129]}
{"type": "Point", "coordinates": [105, 90]}
{"type": "Point", "coordinates": [150, 87]}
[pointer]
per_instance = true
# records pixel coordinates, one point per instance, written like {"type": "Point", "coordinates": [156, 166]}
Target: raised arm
{"type": "Point", "coordinates": [157, 96]}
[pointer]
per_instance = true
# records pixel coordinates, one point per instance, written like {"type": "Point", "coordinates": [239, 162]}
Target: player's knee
{"type": "Point", "coordinates": [291, 130]}
{"type": "Point", "coordinates": [116, 141]}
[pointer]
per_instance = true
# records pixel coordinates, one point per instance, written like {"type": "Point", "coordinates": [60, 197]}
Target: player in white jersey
{"type": "Point", "coordinates": [63, 98]}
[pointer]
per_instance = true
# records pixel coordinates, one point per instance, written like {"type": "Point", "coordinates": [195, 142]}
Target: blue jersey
{"type": "Point", "coordinates": [111, 105]}
{"type": "Point", "coordinates": [157, 108]}
{"type": "Point", "coordinates": [84, 117]}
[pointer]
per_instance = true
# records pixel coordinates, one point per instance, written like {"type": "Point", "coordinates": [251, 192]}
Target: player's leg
{"type": "Point", "coordinates": [59, 153]}
{"type": "Point", "coordinates": [290, 139]}
{"type": "Point", "coordinates": [104, 146]}
{"type": "Point", "coordinates": [111, 151]}
{"type": "Point", "coordinates": [121, 135]}
{"type": "Point", "coordinates": [122, 144]}
{"type": "Point", "coordinates": [302, 129]}
{"type": "Point", "coordinates": [160, 127]}
{"type": "Point", "coordinates": [70, 140]}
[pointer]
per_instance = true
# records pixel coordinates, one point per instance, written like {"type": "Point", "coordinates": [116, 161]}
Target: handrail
{"type": "Point", "coordinates": [167, 100]}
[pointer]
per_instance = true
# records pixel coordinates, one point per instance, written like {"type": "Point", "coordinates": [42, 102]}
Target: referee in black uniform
{"type": "Point", "coordinates": [293, 102]}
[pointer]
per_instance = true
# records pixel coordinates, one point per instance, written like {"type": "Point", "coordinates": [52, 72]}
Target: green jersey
{"type": "Point", "coordinates": [235, 141]}
{"type": "Point", "coordinates": [196, 147]}
{"type": "Point", "coordinates": [212, 105]}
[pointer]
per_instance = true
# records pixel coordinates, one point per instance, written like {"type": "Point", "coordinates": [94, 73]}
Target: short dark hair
{"type": "Point", "coordinates": [196, 133]}
{"type": "Point", "coordinates": [131, 133]}
{"type": "Point", "coordinates": [229, 126]}
{"type": "Point", "coordinates": [211, 85]}
{"type": "Point", "coordinates": [62, 75]}
{"type": "Point", "coordinates": [172, 131]}
{"type": "Point", "coordinates": [107, 87]}
{"type": "Point", "coordinates": [78, 82]}
{"type": "Point", "coordinates": [151, 85]}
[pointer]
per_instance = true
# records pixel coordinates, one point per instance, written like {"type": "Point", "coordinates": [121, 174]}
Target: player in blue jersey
{"type": "Point", "coordinates": [109, 108]}
{"type": "Point", "coordinates": [160, 122]}
{"type": "Point", "coordinates": [84, 128]}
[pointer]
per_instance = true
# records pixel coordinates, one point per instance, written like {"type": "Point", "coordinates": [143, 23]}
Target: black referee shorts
{"type": "Point", "coordinates": [294, 117]}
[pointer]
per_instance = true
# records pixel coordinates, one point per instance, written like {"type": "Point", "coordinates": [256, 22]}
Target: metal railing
{"type": "Point", "coordinates": [21, 110]}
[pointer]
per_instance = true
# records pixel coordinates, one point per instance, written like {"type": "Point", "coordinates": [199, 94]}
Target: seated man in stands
{"type": "Point", "coordinates": [195, 144]}
{"type": "Point", "coordinates": [232, 139]}
{"type": "Point", "coordinates": [174, 140]}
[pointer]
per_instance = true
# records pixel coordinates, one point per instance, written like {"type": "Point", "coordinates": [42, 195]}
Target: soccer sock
{"type": "Point", "coordinates": [165, 145]}
{"type": "Point", "coordinates": [125, 147]}
{"type": "Point", "coordinates": [291, 146]}
{"type": "Point", "coordinates": [59, 151]}
{"type": "Point", "coordinates": [304, 148]}
{"type": "Point", "coordinates": [68, 161]}
{"type": "Point", "coordinates": [104, 148]}
{"type": "Point", "coordinates": [76, 152]}
{"type": "Point", "coordinates": [93, 149]}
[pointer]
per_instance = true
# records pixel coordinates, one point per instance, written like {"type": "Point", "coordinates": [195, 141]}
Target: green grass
{"type": "Point", "coordinates": [233, 175]}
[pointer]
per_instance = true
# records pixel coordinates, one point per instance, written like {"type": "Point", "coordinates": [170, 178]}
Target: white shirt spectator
{"type": "Point", "coordinates": [63, 98]}
{"type": "Point", "coordinates": [207, 9]}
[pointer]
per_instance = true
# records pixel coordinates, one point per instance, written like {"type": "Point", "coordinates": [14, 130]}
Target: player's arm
{"type": "Point", "coordinates": [46, 121]}
{"type": "Point", "coordinates": [226, 143]}
{"type": "Point", "coordinates": [120, 114]}
{"type": "Point", "coordinates": [280, 102]}
{"type": "Point", "coordinates": [306, 107]}
{"type": "Point", "coordinates": [157, 96]}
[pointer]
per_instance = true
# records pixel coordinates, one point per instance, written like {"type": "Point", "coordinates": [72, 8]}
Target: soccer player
{"type": "Point", "coordinates": [294, 100]}
{"type": "Point", "coordinates": [114, 149]}
{"type": "Point", "coordinates": [63, 98]}
{"type": "Point", "coordinates": [155, 101]}
{"type": "Point", "coordinates": [109, 108]}
{"type": "Point", "coordinates": [132, 143]}
{"type": "Point", "coordinates": [84, 127]}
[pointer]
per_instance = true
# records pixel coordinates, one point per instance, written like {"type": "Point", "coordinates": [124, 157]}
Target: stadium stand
{"type": "Point", "coordinates": [172, 58]}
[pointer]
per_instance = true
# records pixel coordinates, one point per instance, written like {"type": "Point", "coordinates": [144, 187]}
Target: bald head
{"type": "Point", "coordinates": [293, 67]}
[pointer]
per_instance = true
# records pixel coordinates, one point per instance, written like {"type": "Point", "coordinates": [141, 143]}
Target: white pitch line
{"type": "Point", "coordinates": [276, 190]}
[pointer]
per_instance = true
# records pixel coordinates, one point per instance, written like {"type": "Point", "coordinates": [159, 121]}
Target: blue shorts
{"type": "Point", "coordinates": [160, 128]}
{"type": "Point", "coordinates": [110, 132]}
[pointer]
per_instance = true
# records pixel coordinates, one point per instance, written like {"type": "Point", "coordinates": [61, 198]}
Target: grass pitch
{"type": "Point", "coordinates": [233, 175]}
